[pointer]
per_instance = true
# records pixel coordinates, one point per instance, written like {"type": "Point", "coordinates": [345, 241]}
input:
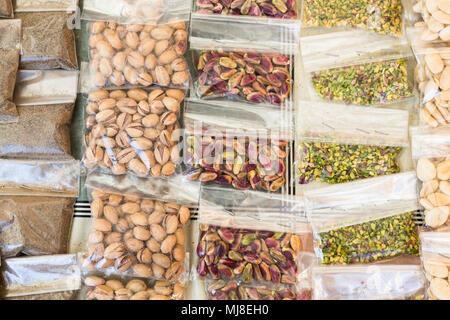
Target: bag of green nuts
{"type": "Point", "coordinates": [254, 238]}
{"type": "Point", "coordinates": [380, 71]}
{"type": "Point", "coordinates": [236, 146]}
{"type": "Point", "coordinates": [385, 17]}
{"type": "Point", "coordinates": [339, 143]}
{"type": "Point", "coordinates": [365, 221]}
{"type": "Point", "coordinates": [374, 282]}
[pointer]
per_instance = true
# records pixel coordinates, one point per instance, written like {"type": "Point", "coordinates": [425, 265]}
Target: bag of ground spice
{"type": "Point", "coordinates": [36, 206]}
{"type": "Point", "coordinates": [374, 282]}
{"type": "Point", "coordinates": [10, 33]}
{"type": "Point", "coordinates": [365, 221]}
{"type": "Point", "coordinates": [6, 9]}
{"type": "Point", "coordinates": [339, 143]}
{"type": "Point", "coordinates": [50, 277]}
{"type": "Point", "coordinates": [47, 40]}
{"type": "Point", "coordinates": [253, 238]}
{"type": "Point", "coordinates": [380, 71]}
{"type": "Point", "coordinates": [231, 145]}
{"type": "Point", "coordinates": [45, 102]}
{"type": "Point", "coordinates": [431, 151]}
{"type": "Point", "coordinates": [435, 254]}
{"type": "Point", "coordinates": [382, 16]}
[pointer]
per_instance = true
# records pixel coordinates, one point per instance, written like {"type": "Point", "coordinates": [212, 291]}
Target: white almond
{"type": "Point", "coordinates": [443, 170]}
{"type": "Point", "coordinates": [444, 186]}
{"type": "Point", "coordinates": [434, 62]}
{"type": "Point", "coordinates": [440, 288]}
{"type": "Point", "coordinates": [441, 16]}
{"type": "Point", "coordinates": [429, 187]}
{"type": "Point", "coordinates": [444, 5]}
{"type": "Point", "coordinates": [425, 170]}
{"type": "Point", "coordinates": [444, 34]}
{"type": "Point", "coordinates": [436, 270]}
{"type": "Point", "coordinates": [437, 217]}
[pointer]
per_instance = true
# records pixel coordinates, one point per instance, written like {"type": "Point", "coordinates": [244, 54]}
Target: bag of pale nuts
{"type": "Point", "coordinates": [137, 55]}
{"type": "Point", "coordinates": [135, 131]}
{"type": "Point", "coordinates": [136, 236]}
{"type": "Point", "coordinates": [431, 150]}
{"type": "Point", "coordinates": [98, 286]}
{"type": "Point", "coordinates": [434, 22]}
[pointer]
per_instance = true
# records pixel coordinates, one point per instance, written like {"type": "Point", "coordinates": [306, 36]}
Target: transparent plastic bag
{"type": "Point", "coordinates": [431, 76]}
{"type": "Point", "coordinates": [151, 12]}
{"type": "Point", "coordinates": [10, 31]}
{"type": "Point", "coordinates": [47, 40]}
{"type": "Point", "coordinates": [137, 236]}
{"type": "Point", "coordinates": [433, 22]}
{"type": "Point", "coordinates": [280, 9]}
{"type": "Point", "coordinates": [98, 286]}
{"type": "Point", "coordinates": [365, 221]}
{"type": "Point", "coordinates": [379, 72]}
{"type": "Point", "coordinates": [236, 146]}
{"type": "Point", "coordinates": [50, 277]}
{"type": "Point", "coordinates": [135, 131]}
{"type": "Point", "coordinates": [382, 16]}
{"type": "Point", "coordinates": [375, 282]}
{"type": "Point", "coordinates": [252, 236]}
{"type": "Point", "coordinates": [130, 55]}
{"type": "Point", "coordinates": [45, 115]}
{"type": "Point", "coordinates": [431, 151]}
{"type": "Point", "coordinates": [339, 143]}
{"type": "Point", "coordinates": [45, 5]}
{"type": "Point", "coordinates": [6, 9]}
{"type": "Point", "coordinates": [436, 262]}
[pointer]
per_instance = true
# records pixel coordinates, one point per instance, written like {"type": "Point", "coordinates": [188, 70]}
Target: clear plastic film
{"type": "Point", "coordinates": [375, 282]}
{"type": "Point", "coordinates": [381, 71]}
{"type": "Point", "coordinates": [10, 41]}
{"type": "Point", "coordinates": [339, 143]}
{"type": "Point", "coordinates": [431, 150]}
{"type": "Point", "coordinates": [45, 101]}
{"type": "Point", "coordinates": [48, 42]}
{"type": "Point", "coordinates": [134, 131]}
{"type": "Point", "coordinates": [137, 55]}
{"type": "Point", "coordinates": [252, 237]}
{"type": "Point", "coordinates": [436, 262]}
{"type": "Point", "coordinates": [137, 237]}
{"type": "Point", "coordinates": [151, 12]}
{"type": "Point", "coordinates": [98, 286]}
{"type": "Point", "coordinates": [6, 9]}
{"type": "Point", "coordinates": [365, 221]}
{"type": "Point", "coordinates": [54, 277]}
{"type": "Point", "coordinates": [432, 78]}
{"type": "Point", "coordinates": [385, 17]}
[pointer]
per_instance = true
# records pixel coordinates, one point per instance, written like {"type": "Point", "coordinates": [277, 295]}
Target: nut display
{"type": "Point", "coordinates": [337, 163]}
{"type": "Point", "coordinates": [382, 16]}
{"type": "Point", "coordinates": [436, 19]}
{"type": "Point", "coordinates": [435, 191]}
{"type": "Point", "coordinates": [102, 288]}
{"type": "Point", "coordinates": [134, 130]}
{"type": "Point", "coordinates": [243, 164]}
{"type": "Point", "coordinates": [370, 241]}
{"type": "Point", "coordinates": [284, 9]}
{"type": "Point", "coordinates": [226, 253]}
{"type": "Point", "coordinates": [433, 78]}
{"type": "Point", "coordinates": [439, 277]}
{"type": "Point", "coordinates": [364, 84]}
{"type": "Point", "coordinates": [253, 77]}
{"type": "Point", "coordinates": [135, 54]}
{"type": "Point", "coordinates": [235, 290]}
{"type": "Point", "coordinates": [138, 236]}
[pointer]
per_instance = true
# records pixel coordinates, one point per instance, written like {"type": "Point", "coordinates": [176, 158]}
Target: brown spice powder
{"type": "Point", "coordinates": [47, 42]}
{"type": "Point", "coordinates": [42, 132]}
{"type": "Point", "coordinates": [41, 225]}
{"type": "Point", "coordinates": [6, 9]}
{"type": "Point", "coordinates": [9, 63]}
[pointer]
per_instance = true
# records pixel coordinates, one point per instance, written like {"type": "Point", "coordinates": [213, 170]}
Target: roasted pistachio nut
{"type": "Point", "coordinates": [365, 84]}
{"type": "Point", "coordinates": [138, 55]}
{"type": "Point", "coordinates": [242, 163]}
{"type": "Point", "coordinates": [106, 288]}
{"type": "Point", "coordinates": [434, 24]}
{"type": "Point", "coordinates": [370, 241]}
{"type": "Point", "coordinates": [236, 290]}
{"type": "Point", "coordinates": [283, 9]}
{"type": "Point", "coordinates": [250, 76]}
{"type": "Point", "coordinates": [247, 255]}
{"type": "Point", "coordinates": [382, 16]}
{"type": "Point", "coordinates": [435, 192]}
{"type": "Point", "coordinates": [433, 78]}
{"type": "Point", "coordinates": [338, 163]}
{"type": "Point", "coordinates": [138, 236]}
{"type": "Point", "coordinates": [134, 131]}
